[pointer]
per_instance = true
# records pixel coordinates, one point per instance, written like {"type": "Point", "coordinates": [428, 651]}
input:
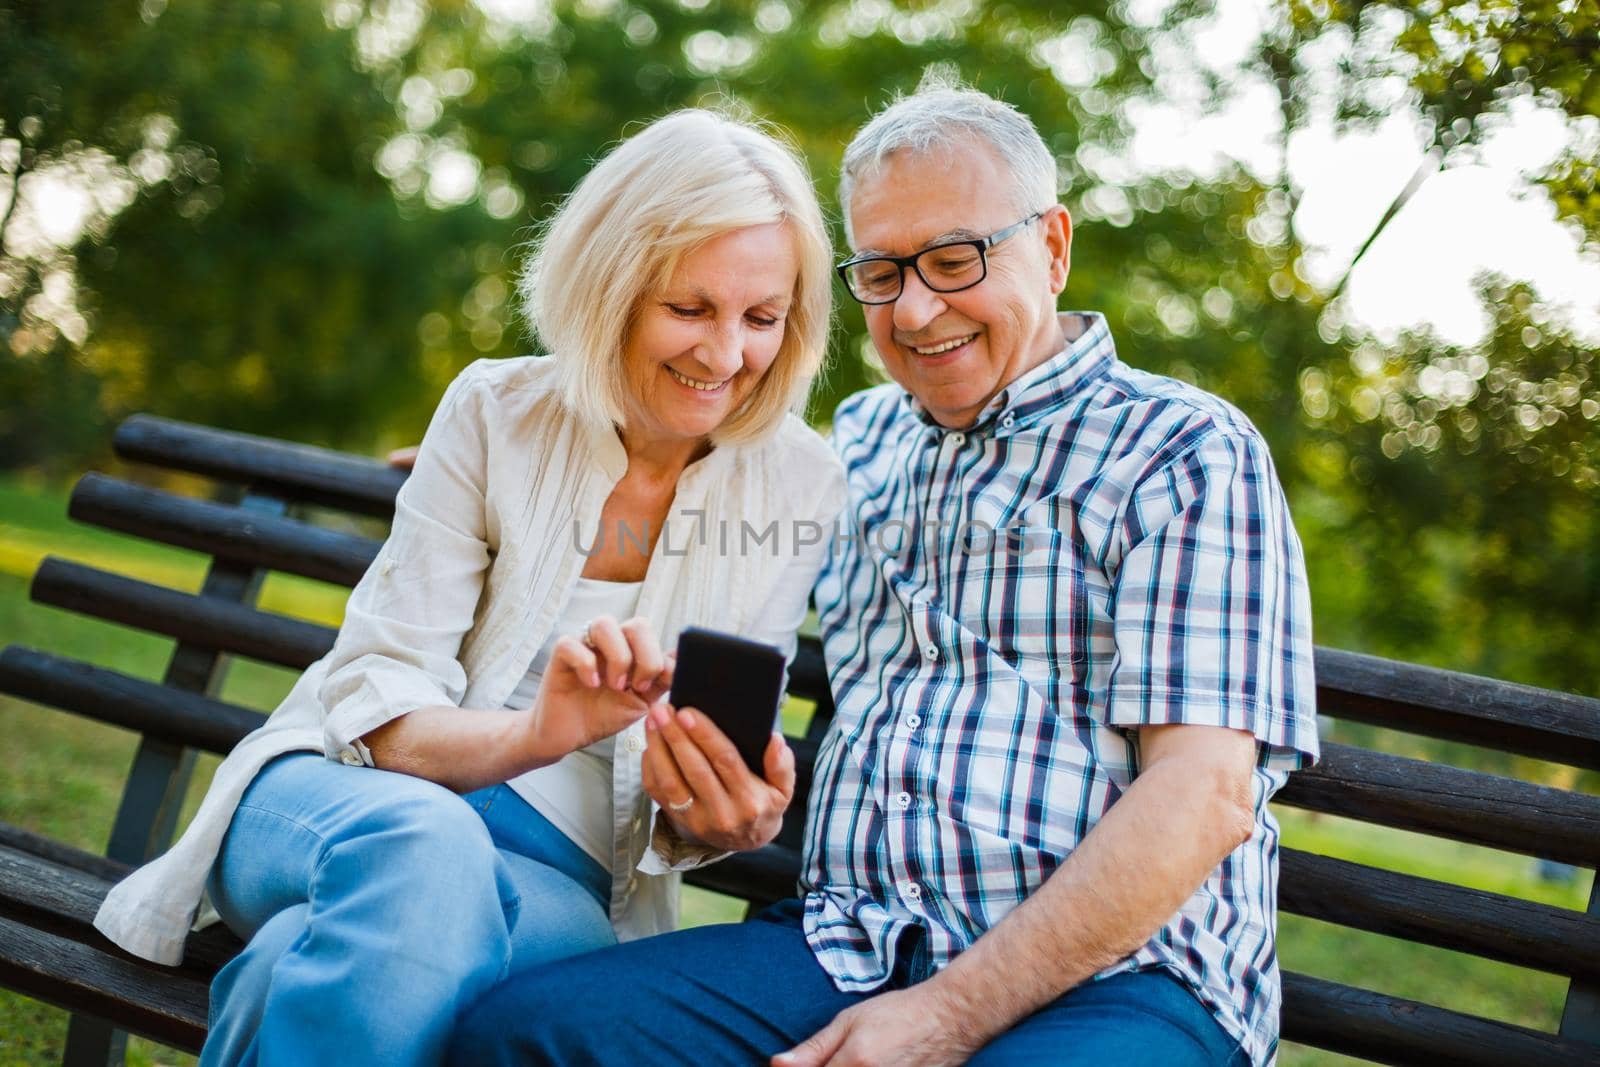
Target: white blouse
{"type": "Point", "coordinates": [574, 793]}
{"type": "Point", "coordinates": [487, 544]}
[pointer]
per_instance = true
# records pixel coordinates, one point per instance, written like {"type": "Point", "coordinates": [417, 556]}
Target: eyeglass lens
{"type": "Point", "coordinates": [944, 269]}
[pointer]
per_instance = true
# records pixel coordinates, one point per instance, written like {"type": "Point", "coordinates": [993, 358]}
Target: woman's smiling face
{"type": "Point", "coordinates": [701, 343]}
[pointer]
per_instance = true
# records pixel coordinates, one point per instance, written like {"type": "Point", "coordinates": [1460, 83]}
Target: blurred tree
{"type": "Point", "coordinates": [236, 258]}
{"type": "Point", "coordinates": [303, 218]}
{"type": "Point", "coordinates": [1453, 495]}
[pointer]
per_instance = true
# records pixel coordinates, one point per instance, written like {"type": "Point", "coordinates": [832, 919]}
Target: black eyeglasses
{"type": "Point", "coordinates": [944, 268]}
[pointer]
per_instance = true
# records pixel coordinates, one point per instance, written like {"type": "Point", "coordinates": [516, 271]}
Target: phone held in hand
{"type": "Point", "coordinates": [736, 682]}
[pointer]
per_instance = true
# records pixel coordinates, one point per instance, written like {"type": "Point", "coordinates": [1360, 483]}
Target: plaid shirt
{"type": "Point", "coordinates": [1104, 549]}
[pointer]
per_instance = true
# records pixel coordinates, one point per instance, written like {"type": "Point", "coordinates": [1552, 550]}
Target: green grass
{"type": "Point", "coordinates": [62, 776]}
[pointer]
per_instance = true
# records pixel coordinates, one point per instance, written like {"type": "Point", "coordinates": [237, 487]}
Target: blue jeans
{"type": "Point", "coordinates": [376, 905]}
{"type": "Point", "coordinates": [738, 994]}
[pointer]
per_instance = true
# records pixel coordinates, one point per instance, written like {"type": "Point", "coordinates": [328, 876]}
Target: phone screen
{"type": "Point", "coordinates": [735, 681]}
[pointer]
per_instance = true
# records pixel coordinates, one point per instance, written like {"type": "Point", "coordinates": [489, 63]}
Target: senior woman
{"type": "Point", "coordinates": [480, 776]}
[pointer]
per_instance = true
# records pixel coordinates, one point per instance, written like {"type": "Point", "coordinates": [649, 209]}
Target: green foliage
{"type": "Point", "coordinates": [1466, 64]}
{"type": "Point", "coordinates": [312, 217]}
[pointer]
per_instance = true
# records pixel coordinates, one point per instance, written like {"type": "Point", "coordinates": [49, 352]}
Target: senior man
{"type": "Point", "coordinates": [1068, 635]}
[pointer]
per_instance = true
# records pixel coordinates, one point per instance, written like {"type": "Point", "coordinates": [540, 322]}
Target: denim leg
{"type": "Point", "coordinates": [1143, 1019]}
{"type": "Point", "coordinates": [733, 994]}
{"type": "Point", "coordinates": [408, 911]}
{"type": "Point", "coordinates": [517, 826]}
{"type": "Point", "coordinates": [239, 991]}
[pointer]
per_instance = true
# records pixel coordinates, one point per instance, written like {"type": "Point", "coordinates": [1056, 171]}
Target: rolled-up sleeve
{"type": "Point", "coordinates": [1211, 608]}
{"type": "Point", "coordinates": [405, 620]}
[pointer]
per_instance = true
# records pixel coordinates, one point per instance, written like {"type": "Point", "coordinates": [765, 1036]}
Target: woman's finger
{"type": "Point", "coordinates": [662, 779]}
{"type": "Point", "coordinates": [779, 764]}
{"type": "Point", "coordinates": [720, 755]}
{"type": "Point", "coordinates": [581, 661]}
{"type": "Point", "coordinates": [694, 765]}
{"type": "Point", "coordinates": [648, 661]}
{"type": "Point", "coordinates": [605, 637]}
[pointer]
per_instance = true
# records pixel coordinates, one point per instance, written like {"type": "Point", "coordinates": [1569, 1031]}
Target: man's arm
{"type": "Point", "coordinates": [1189, 806]}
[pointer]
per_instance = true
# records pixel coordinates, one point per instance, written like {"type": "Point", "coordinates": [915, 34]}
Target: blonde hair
{"type": "Point", "coordinates": [682, 180]}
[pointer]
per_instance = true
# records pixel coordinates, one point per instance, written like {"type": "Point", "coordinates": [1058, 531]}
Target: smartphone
{"type": "Point", "coordinates": [736, 682]}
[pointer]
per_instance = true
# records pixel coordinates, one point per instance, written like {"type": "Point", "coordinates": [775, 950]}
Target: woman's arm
{"type": "Point", "coordinates": [398, 648]}
{"type": "Point", "coordinates": [394, 677]}
{"type": "Point", "coordinates": [585, 695]}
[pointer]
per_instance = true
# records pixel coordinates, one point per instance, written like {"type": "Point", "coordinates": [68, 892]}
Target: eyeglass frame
{"type": "Point", "coordinates": [981, 244]}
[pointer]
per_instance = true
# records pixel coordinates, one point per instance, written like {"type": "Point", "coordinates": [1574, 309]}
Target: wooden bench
{"type": "Point", "coordinates": [49, 892]}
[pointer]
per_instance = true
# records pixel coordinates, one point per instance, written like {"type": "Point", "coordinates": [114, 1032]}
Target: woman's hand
{"type": "Point", "coordinates": [703, 786]}
{"type": "Point", "coordinates": [591, 691]}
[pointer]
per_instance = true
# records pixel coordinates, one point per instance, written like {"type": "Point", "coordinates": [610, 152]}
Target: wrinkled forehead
{"type": "Point", "coordinates": [913, 198]}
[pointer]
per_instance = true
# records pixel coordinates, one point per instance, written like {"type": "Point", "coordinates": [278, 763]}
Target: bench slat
{"type": "Point", "coordinates": [222, 530]}
{"type": "Point", "coordinates": [1320, 887]}
{"type": "Point", "coordinates": [808, 676]}
{"type": "Point", "coordinates": [1445, 801]}
{"type": "Point", "coordinates": [261, 635]}
{"type": "Point", "coordinates": [308, 473]}
{"type": "Point", "coordinates": [1385, 1029]}
{"type": "Point", "coordinates": [50, 850]}
{"type": "Point", "coordinates": [63, 900]}
{"type": "Point", "coordinates": [1407, 794]}
{"type": "Point", "coordinates": [207, 621]}
{"type": "Point", "coordinates": [109, 696]}
{"type": "Point", "coordinates": [1542, 723]}
{"type": "Point", "coordinates": [1520, 932]}
{"type": "Point", "coordinates": [164, 1005]}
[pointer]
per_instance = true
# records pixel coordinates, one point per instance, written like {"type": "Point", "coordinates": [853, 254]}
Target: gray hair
{"type": "Point", "coordinates": [944, 114]}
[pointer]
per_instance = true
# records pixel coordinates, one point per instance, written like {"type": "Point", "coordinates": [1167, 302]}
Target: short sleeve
{"type": "Point", "coordinates": [1210, 607]}
{"type": "Point", "coordinates": [405, 620]}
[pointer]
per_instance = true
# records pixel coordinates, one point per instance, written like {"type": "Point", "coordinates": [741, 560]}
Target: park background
{"type": "Point", "coordinates": [303, 219]}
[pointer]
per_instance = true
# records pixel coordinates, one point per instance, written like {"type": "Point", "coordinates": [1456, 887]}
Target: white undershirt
{"type": "Point", "coordinates": [575, 792]}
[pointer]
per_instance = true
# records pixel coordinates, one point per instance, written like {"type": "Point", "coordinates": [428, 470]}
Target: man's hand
{"type": "Point", "coordinates": [912, 1027]}
{"type": "Point", "coordinates": [703, 786]}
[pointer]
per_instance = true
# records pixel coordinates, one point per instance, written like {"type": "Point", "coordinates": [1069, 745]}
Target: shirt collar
{"type": "Point", "coordinates": [1088, 355]}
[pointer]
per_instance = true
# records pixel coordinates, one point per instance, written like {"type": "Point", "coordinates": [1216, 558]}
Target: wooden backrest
{"type": "Point", "coordinates": [262, 532]}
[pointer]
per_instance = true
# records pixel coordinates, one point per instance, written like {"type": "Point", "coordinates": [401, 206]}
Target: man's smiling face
{"type": "Point", "coordinates": [955, 351]}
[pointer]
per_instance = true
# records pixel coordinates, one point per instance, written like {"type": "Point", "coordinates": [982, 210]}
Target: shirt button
{"type": "Point", "coordinates": [912, 891]}
{"type": "Point", "coordinates": [634, 743]}
{"type": "Point", "coordinates": [958, 439]}
{"type": "Point", "coordinates": [633, 883]}
{"type": "Point", "coordinates": [1007, 419]}
{"type": "Point", "coordinates": [349, 757]}
{"type": "Point", "coordinates": [386, 567]}
{"type": "Point", "coordinates": [913, 721]}
{"type": "Point", "coordinates": [902, 801]}
{"type": "Point", "coordinates": [930, 650]}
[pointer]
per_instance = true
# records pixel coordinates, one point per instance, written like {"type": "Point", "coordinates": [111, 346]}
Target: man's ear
{"type": "Point", "coordinates": [1057, 225]}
